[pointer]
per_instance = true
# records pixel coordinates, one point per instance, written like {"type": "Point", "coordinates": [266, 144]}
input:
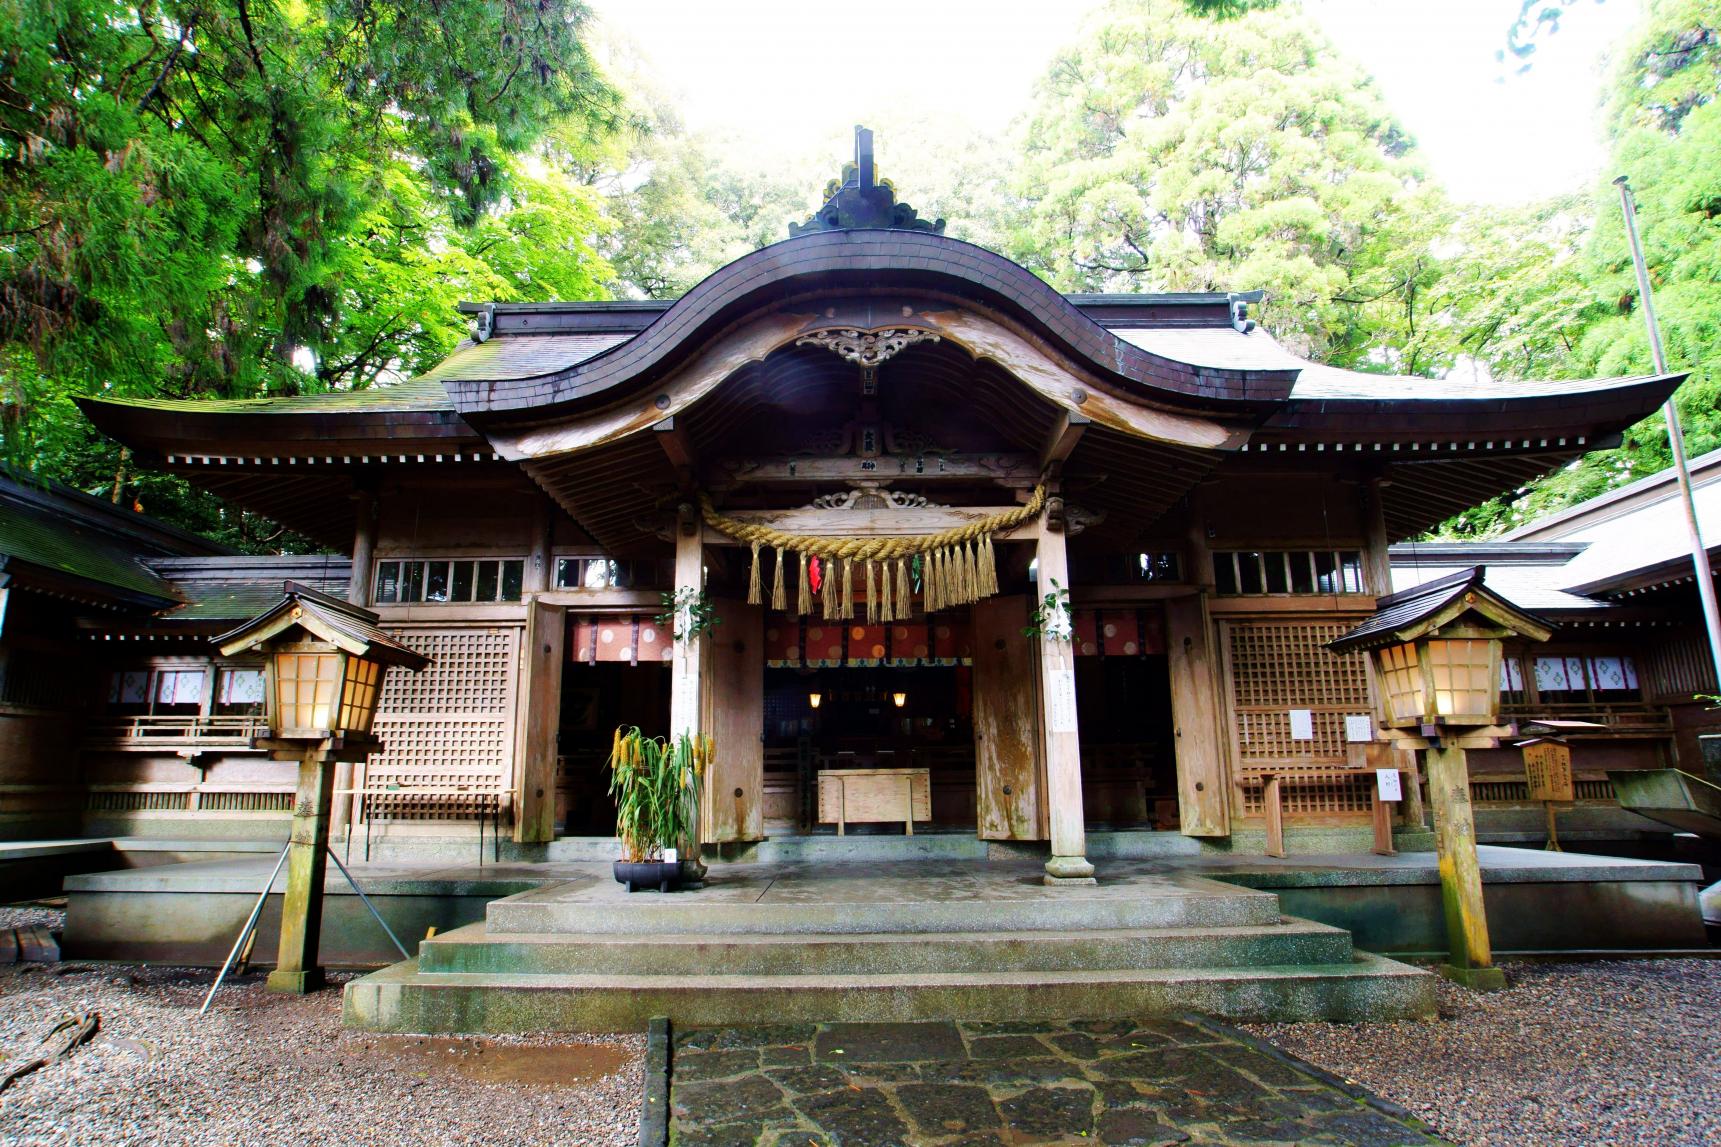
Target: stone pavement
{"type": "Point", "coordinates": [971, 1084]}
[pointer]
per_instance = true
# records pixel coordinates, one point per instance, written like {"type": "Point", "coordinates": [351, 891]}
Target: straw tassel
{"type": "Point", "coordinates": [779, 600]}
{"type": "Point", "coordinates": [968, 591]}
{"type": "Point", "coordinates": [884, 605]}
{"type": "Point", "coordinates": [988, 567]}
{"type": "Point", "coordinates": [828, 592]}
{"type": "Point", "coordinates": [871, 596]}
{"type": "Point", "coordinates": [804, 601]}
{"type": "Point", "coordinates": [847, 603]}
{"type": "Point", "coordinates": [929, 580]}
{"type": "Point", "coordinates": [753, 597]}
{"type": "Point", "coordinates": [904, 591]}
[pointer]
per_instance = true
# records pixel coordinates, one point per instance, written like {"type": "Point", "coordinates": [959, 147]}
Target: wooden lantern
{"type": "Point", "coordinates": [326, 661]}
{"type": "Point", "coordinates": [1436, 650]}
{"type": "Point", "coordinates": [325, 664]}
{"type": "Point", "coordinates": [1436, 655]}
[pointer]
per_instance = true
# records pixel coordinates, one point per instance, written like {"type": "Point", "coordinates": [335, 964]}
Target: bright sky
{"type": "Point", "coordinates": [785, 80]}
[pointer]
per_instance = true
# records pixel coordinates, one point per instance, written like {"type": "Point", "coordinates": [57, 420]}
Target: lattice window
{"type": "Point", "coordinates": [472, 671]}
{"type": "Point", "coordinates": [448, 731]}
{"type": "Point", "coordinates": [1277, 666]}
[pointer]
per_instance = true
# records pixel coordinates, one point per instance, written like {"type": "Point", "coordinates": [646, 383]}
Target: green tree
{"type": "Point", "coordinates": [231, 198]}
{"type": "Point", "coordinates": [1552, 291]}
{"type": "Point", "coordinates": [1161, 156]}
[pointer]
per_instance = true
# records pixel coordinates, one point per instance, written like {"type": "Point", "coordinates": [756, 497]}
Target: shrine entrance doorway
{"type": "Point", "coordinates": [884, 735]}
{"type": "Point", "coordinates": [615, 673]}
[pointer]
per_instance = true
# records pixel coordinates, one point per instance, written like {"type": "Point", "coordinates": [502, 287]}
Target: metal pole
{"type": "Point", "coordinates": [250, 923]}
{"type": "Point", "coordinates": [1675, 435]}
{"type": "Point", "coordinates": [401, 948]}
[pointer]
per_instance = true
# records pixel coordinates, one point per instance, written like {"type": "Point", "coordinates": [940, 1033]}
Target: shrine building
{"type": "Point", "coordinates": [952, 553]}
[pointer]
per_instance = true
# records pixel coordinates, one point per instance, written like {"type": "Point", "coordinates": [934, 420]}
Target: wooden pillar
{"type": "Point", "coordinates": [297, 969]}
{"type": "Point", "coordinates": [733, 714]}
{"type": "Point", "coordinates": [1415, 815]}
{"type": "Point", "coordinates": [1062, 737]}
{"type": "Point", "coordinates": [360, 586]}
{"type": "Point", "coordinates": [537, 575]}
{"type": "Point", "coordinates": [687, 667]}
{"type": "Point", "coordinates": [1472, 957]}
{"type": "Point", "coordinates": [1376, 561]}
{"type": "Point", "coordinates": [542, 658]}
{"type": "Point", "coordinates": [364, 548]}
{"type": "Point", "coordinates": [1201, 781]}
{"type": "Point", "coordinates": [1377, 569]}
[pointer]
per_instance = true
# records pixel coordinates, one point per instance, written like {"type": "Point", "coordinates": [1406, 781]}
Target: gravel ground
{"type": "Point", "coordinates": [32, 916]}
{"type": "Point", "coordinates": [273, 1070]}
{"type": "Point", "coordinates": [1607, 1053]}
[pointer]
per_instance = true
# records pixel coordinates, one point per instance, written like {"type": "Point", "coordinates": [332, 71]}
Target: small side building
{"type": "Point", "coordinates": [1629, 655]}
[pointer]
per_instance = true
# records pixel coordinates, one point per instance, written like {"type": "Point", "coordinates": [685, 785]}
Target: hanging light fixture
{"type": "Point", "coordinates": [814, 699]}
{"type": "Point", "coordinates": [899, 698]}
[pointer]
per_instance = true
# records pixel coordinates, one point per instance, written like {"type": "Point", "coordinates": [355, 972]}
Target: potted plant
{"type": "Point", "coordinates": [656, 786]}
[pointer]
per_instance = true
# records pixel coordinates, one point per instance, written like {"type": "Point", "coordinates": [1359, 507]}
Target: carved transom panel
{"type": "Point", "coordinates": [866, 348]}
{"type": "Point", "coordinates": [872, 499]}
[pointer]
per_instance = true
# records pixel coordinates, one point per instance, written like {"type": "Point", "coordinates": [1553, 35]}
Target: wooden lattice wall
{"type": "Point", "coordinates": [1273, 667]}
{"type": "Point", "coordinates": [450, 727]}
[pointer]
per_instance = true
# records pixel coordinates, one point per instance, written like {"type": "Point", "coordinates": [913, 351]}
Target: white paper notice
{"type": "Point", "coordinates": [1359, 728]}
{"type": "Point", "coordinates": [685, 698]}
{"type": "Point", "coordinates": [1062, 684]}
{"type": "Point", "coordinates": [1302, 725]}
{"type": "Point", "coordinates": [1386, 780]}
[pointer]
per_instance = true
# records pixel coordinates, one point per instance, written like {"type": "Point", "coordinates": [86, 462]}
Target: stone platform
{"type": "Point", "coordinates": [883, 942]}
{"type": "Point", "coordinates": [169, 906]}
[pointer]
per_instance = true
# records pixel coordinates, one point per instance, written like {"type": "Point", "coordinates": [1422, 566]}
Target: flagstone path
{"type": "Point", "coordinates": [973, 1084]}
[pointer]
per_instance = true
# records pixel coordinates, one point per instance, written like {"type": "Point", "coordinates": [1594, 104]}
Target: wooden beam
{"type": "Point", "coordinates": [604, 600]}
{"type": "Point", "coordinates": [1003, 469]}
{"type": "Point", "coordinates": [1066, 432]}
{"type": "Point", "coordinates": [913, 521]}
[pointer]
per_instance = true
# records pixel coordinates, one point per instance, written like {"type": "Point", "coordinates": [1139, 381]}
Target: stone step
{"type": "Point", "coordinates": [474, 949]}
{"type": "Point", "coordinates": [402, 999]}
{"type": "Point", "coordinates": [739, 905]}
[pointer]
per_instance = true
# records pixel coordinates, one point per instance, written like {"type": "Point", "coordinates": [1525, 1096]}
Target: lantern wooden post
{"type": "Point", "coordinates": [1436, 654]}
{"type": "Point", "coordinates": [297, 969]}
{"type": "Point", "coordinates": [1472, 955]}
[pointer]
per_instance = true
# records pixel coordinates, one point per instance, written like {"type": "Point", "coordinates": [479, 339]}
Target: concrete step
{"type": "Point", "coordinates": [402, 999]}
{"type": "Point", "coordinates": [474, 949]}
{"type": "Point", "coordinates": [595, 906]}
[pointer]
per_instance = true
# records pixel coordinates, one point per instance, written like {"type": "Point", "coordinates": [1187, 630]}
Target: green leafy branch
{"type": "Point", "coordinates": [1052, 619]}
{"type": "Point", "coordinates": [689, 613]}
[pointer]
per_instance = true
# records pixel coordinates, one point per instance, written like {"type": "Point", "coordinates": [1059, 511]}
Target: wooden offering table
{"type": "Point", "coordinates": [868, 796]}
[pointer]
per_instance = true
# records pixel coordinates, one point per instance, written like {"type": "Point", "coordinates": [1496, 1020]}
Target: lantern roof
{"type": "Point", "coordinates": [327, 618]}
{"type": "Point", "coordinates": [1429, 608]}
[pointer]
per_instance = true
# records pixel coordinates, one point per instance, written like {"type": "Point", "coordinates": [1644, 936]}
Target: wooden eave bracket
{"type": "Point", "coordinates": [1066, 432]}
{"type": "Point", "coordinates": [679, 451]}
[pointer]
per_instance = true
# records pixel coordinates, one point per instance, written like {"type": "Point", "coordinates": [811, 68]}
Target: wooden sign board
{"type": "Point", "coordinates": [1548, 768]}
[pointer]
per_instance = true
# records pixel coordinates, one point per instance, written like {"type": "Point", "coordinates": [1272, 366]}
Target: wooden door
{"type": "Point", "coordinates": [1201, 780]}
{"type": "Point", "coordinates": [540, 718]}
{"type": "Point", "coordinates": [1010, 791]}
{"type": "Point", "coordinates": [733, 712]}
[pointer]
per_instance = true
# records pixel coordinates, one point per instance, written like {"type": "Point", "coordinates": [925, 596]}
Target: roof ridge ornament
{"type": "Point", "coordinates": [859, 199]}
